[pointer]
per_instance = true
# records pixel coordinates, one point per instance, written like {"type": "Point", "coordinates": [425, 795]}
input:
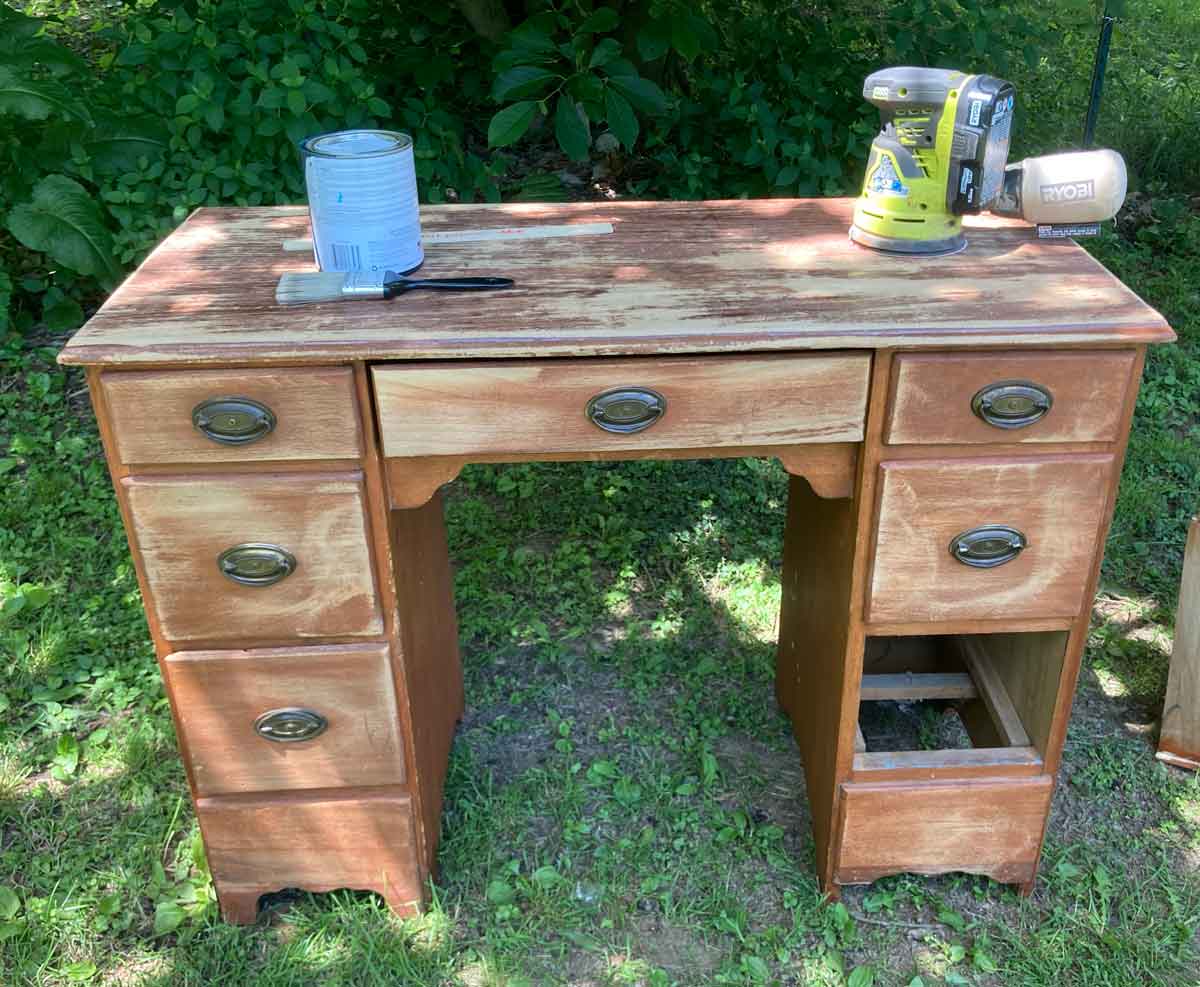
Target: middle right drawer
{"type": "Point", "coordinates": [986, 539]}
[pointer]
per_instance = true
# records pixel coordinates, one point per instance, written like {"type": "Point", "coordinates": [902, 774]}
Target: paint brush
{"type": "Point", "coordinates": [318, 286]}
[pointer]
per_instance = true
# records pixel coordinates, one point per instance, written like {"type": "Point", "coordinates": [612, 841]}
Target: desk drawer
{"type": "Point", "coordinates": [193, 531]}
{"type": "Point", "coordinates": [227, 416]}
{"type": "Point", "coordinates": [942, 398]}
{"type": "Point", "coordinates": [981, 827]}
{"type": "Point", "coordinates": [566, 406]}
{"type": "Point", "coordinates": [1056, 505]}
{"type": "Point", "coordinates": [243, 716]}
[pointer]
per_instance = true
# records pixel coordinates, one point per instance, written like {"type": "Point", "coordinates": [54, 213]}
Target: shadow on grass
{"type": "Point", "coordinates": [624, 801]}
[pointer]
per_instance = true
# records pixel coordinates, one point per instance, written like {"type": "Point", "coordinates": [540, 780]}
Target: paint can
{"type": "Point", "coordinates": [362, 201]}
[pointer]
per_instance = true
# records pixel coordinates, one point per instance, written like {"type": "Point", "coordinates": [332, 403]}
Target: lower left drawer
{"type": "Point", "coordinates": [282, 719]}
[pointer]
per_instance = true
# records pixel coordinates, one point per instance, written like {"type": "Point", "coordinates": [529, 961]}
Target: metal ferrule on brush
{"type": "Point", "coordinates": [363, 285]}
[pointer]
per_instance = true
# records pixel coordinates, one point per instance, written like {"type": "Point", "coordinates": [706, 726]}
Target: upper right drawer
{"type": "Point", "coordinates": [945, 398]}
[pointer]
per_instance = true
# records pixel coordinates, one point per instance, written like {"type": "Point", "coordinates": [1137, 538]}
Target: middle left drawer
{"type": "Point", "coordinates": [256, 557]}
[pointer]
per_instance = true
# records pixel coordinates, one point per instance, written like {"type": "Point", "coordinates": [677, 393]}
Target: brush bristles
{"type": "Point", "coordinates": [296, 289]}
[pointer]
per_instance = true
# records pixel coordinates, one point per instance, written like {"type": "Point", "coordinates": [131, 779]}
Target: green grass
{"type": "Point", "coordinates": [624, 804]}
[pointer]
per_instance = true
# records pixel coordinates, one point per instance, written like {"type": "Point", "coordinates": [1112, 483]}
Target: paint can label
{"type": "Point", "coordinates": [362, 200]}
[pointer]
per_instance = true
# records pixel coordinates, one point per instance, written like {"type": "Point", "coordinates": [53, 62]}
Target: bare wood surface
{"type": "Point", "coordinates": [674, 277]}
{"type": "Point", "coordinates": [152, 414]}
{"type": "Point", "coordinates": [989, 827]}
{"type": "Point", "coordinates": [829, 467]}
{"type": "Point", "coordinates": [1179, 743]}
{"type": "Point", "coordinates": [428, 648]}
{"type": "Point", "coordinates": [931, 396]}
{"type": "Point", "coordinates": [1029, 667]}
{"type": "Point", "coordinates": [182, 524]}
{"type": "Point", "coordinates": [219, 694]}
{"type": "Point", "coordinates": [907, 686]}
{"type": "Point", "coordinates": [538, 407]}
{"type": "Point", "coordinates": [362, 839]}
{"type": "Point", "coordinates": [993, 693]}
{"type": "Point", "coordinates": [814, 630]}
{"type": "Point", "coordinates": [970, 762]}
{"type": "Point", "coordinates": [1057, 502]}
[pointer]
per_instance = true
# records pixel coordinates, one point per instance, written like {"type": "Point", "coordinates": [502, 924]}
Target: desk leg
{"type": "Point", "coordinates": [427, 657]}
{"type": "Point", "coordinates": [815, 651]}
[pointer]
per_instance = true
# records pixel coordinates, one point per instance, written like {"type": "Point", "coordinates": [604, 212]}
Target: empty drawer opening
{"type": "Point", "coordinates": [958, 701]}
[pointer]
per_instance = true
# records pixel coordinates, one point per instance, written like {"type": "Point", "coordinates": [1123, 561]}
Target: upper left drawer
{"type": "Point", "coordinates": [228, 416]}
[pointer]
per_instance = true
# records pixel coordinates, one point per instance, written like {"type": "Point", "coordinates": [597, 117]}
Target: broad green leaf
{"type": "Point", "coordinates": [66, 754]}
{"type": "Point", "coordinates": [507, 126]}
{"type": "Point", "coordinates": [787, 175]}
{"type": "Point", "coordinates": [186, 103]}
{"type": "Point", "coordinates": [684, 39]}
{"type": "Point", "coordinates": [501, 893]}
{"type": "Point", "coordinates": [168, 916]}
{"type": "Point", "coordinates": [521, 80]}
{"type": "Point", "coordinates": [135, 54]}
{"type": "Point", "coordinates": [64, 222]}
{"type": "Point", "coordinates": [10, 904]}
{"type": "Point", "coordinates": [756, 967]}
{"type": "Point", "coordinates": [653, 40]}
{"type": "Point", "coordinates": [642, 93]}
{"type": "Point", "coordinates": [861, 976]}
{"type": "Point", "coordinates": [17, 25]}
{"type": "Point", "coordinates": [534, 34]}
{"type": "Point", "coordinates": [45, 51]}
{"type": "Point", "coordinates": [545, 877]}
{"type": "Point", "coordinates": [62, 316]}
{"type": "Point", "coordinates": [621, 118]}
{"type": "Point", "coordinates": [604, 52]}
{"type": "Point", "coordinates": [599, 21]}
{"type": "Point", "coordinates": [37, 99]}
{"type": "Point", "coordinates": [947, 916]}
{"type": "Point", "coordinates": [80, 972]}
{"type": "Point", "coordinates": [117, 144]}
{"type": "Point", "coordinates": [296, 101]}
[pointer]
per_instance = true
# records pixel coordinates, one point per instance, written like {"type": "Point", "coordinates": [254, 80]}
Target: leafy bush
{"type": "Point", "coordinates": [201, 103]}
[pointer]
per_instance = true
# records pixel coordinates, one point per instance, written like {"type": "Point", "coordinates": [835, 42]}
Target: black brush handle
{"type": "Point", "coordinates": [394, 286]}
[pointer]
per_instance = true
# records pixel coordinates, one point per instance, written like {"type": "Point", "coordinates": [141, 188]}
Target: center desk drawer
{"type": "Point", "coordinates": [255, 557]}
{"type": "Point", "coordinates": [591, 406]}
{"type": "Point", "coordinates": [983, 539]}
{"type": "Point", "coordinates": [287, 718]}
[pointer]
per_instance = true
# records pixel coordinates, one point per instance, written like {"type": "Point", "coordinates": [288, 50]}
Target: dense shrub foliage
{"type": "Point", "coordinates": [113, 130]}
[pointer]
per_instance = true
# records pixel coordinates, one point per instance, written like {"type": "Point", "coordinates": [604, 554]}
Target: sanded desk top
{"type": "Point", "coordinates": [673, 277]}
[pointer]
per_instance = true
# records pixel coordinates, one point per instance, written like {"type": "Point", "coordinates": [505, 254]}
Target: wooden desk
{"type": "Point", "coordinates": [314, 675]}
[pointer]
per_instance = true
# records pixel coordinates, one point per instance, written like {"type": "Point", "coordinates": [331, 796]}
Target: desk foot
{"type": "Point", "coordinates": [240, 907]}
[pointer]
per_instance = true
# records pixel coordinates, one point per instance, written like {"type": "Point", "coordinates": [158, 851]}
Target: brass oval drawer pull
{"type": "Point", "coordinates": [1012, 403]}
{"type": "Point", "coordinates": [256, 564]}
{"type": "Point", "coordinates": [233, 421]}
{"type": "Point", "coordinates": [288, 725]}
{"type": "Point", "coordinates": [626, 409]}
{"type": "Point", "coordinates": [988, 546]}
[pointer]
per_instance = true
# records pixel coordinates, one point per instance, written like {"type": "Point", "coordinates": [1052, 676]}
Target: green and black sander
{"type": "Point", "coordinates": [940, 156]}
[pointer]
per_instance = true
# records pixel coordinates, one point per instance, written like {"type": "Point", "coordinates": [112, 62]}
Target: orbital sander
{"type": "Point", "coordinates": [940, 156]}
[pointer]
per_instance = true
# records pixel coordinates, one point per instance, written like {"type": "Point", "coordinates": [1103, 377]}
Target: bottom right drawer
{"type": "Point", "coordinates": [987, 539]}
{"type": "Point", "coordinates": [989, 827]}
